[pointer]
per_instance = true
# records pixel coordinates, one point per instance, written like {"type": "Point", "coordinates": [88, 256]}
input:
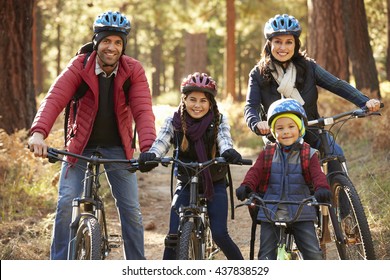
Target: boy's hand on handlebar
{"type": "Point", "coordinates": [232, 156]}
{"type": "Point", "coordinates": [323, 195]}
{"type": "Point", "coordinates": [243, 192]}
{"type": "Point", "coordinates": [145, 157]}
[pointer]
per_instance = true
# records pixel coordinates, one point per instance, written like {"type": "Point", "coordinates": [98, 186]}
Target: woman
{"type": "Point", "coordinates": [285, 72]}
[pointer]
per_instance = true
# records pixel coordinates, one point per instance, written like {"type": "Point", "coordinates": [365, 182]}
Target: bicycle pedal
{"type": "Point", "coordinates": [114, 241]}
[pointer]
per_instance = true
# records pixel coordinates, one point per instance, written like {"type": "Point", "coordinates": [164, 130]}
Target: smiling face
{"type": "Point", "coordinates": [286, 131]}
{"type": "Point", "coordinates": [197, 104]}
{"type": "Point", "coordinates": [282, 47]}
{"type": "Point", "coordinates": [109, 51]}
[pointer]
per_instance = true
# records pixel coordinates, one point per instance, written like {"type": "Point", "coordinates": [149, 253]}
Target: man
{"type": "Point", "coordinates": [102, 122]}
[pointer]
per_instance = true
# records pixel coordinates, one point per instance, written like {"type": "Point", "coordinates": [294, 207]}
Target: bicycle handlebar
{"type": "Point", "coordinates": [255, 200]}
{"type": "Point", "coordinates": [53, 156]}
{"type": "Point", "coordinates": [217, 160]}
{"type": "Point", "coordinates": [357, 113]}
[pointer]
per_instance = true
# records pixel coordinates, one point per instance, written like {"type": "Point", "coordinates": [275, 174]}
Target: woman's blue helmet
{"type": "Point", "coordinates": [282, 25]}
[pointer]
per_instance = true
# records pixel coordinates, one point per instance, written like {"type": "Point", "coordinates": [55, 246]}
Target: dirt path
{"type": "Point", "coordinates": [155, 206]}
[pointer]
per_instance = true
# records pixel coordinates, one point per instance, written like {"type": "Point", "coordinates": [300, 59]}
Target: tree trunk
{"type": "Point", "coordinates": [178, 67]}
{"type": "Point", "coordinates": [36, 48]}
{"type": "Point", "coordinates": [388, 42]}
{"type": "Point", "coordinates": [326, 38]}
{"type": "Point", "coordinates": [359, 48]}
{"type": "Point", "coordinates": [158, 64]}
{"type": "Point", "coordinates": [17, 98]}
{"type": "Point", "coordinates": [196, 53]}
{"type": "Point", "coordinates": [230, 50]}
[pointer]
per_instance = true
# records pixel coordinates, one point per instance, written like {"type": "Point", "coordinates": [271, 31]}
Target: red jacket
{"type": "Point", "coordinates": [65, 86]}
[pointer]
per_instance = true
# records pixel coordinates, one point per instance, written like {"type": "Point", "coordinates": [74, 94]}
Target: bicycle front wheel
{"type": "Point", "coordinates": [352, 220]}
{"type": "Point", "coordinates": [190, 247]}
{"type": "Point", "coordinates": [88, 240]}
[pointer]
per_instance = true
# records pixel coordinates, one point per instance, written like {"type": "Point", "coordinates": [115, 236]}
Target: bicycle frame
{"type": "Point", "coordinates": [285, 248]}
{"type": "Point", "coordinates": [195, 212]}
{"type": "Point", "coordinates": [355, 241]}
{"type": "Point", "coordinates": [88, 210]}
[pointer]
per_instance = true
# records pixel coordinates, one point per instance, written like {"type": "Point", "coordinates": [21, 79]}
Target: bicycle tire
{"type": "Point", "coordinates": [88, 240]}
{"type": "Point", "coordinates": [189, 245]}
{"type": "Point", "coordinates": [211, 248]}
{"type": "Point", "coordinates": [330, 246]}
{"type": "Point", "coordinates": [352, 220]}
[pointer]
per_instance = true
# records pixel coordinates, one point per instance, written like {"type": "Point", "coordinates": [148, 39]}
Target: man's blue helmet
{"type": "Point", "coordinates": [282, 25]}
{"type": "Point", "coordinates": [112, 21]}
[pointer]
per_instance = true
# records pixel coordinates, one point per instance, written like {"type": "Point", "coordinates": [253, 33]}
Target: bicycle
{"type": "Point", "coordinates": [89, 238]}
{"type": "Point", "coordinates": [194, 239]}
{"type": "Point", "coordinates": [349, 210]}
{"type": "Point", "coordinates": [286, 248]}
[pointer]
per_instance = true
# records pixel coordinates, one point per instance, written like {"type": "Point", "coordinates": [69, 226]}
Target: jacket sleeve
{"type": "Point", "coordinates": [163, 142]}
{"type": "Point", "coordinates": [58, 96]}
{"type": "Point", "coordinates": [318, 177]}
{"type": "Point", "coordinates": [340, 87]}
{"type": "Point", "coordinates": [141, 108]}
{"type": "Point", "coordinates": [253, 176]}
{"type": "Point", "coordinates": [224, 138]}
{"type": "Point", "coordinates": [253, 102]}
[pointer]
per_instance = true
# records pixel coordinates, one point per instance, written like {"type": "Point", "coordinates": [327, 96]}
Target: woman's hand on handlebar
{"type": "Point", "coordinates": [373, 105]}
{"type": "Point", "coordinates": [263, 127]}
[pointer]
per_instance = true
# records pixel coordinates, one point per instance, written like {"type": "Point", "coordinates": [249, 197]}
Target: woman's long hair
{"type": "Point", "coordinates": [299, 59]}
{"type": "Point", "coordinates": [214, 107]}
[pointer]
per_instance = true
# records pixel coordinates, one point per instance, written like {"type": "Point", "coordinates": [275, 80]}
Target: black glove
{"type": "Point", "coordinates": [231, 156]}
{"type": "Point", "coordinates": [242, 192]}
{"type": "Point", "coordinates": [323, 195]}
{"type": "Point", "coordinates": [143, 158]}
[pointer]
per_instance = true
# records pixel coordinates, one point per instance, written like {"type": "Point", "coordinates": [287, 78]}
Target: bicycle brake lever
{"type": "Point", "coordinates": [52, 155]}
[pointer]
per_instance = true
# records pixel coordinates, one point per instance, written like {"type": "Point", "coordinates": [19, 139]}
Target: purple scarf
{"type": "Point", "coordinates": [196, 128]}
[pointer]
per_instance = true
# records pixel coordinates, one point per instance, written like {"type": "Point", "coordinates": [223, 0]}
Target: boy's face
{"type": "Point", "coordinates": [286, 131]}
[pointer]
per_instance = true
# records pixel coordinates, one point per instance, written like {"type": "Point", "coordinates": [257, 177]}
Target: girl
{"type": "Point", "coordinates": [198, 133]}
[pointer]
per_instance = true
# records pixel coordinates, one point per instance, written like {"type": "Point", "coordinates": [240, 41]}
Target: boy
{"type": "Point", "coordinates": [287, 119]}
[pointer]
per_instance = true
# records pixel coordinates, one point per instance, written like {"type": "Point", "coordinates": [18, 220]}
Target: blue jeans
{"type": "Point", "coordinates": [304, 235]}
{"type": "Point", "coordinates": [124, 189]}
{"type": "Point", "coordinates": [218, 210]}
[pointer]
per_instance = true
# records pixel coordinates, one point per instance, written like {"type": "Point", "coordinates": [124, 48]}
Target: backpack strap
{"type": "Point", "coordinates": [305, 162]}
{"type": "Point", "coordinates": [266, 173]}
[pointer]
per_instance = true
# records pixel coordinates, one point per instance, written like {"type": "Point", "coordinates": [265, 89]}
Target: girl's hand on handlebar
{"type": "Point", "coordinates": [232, 156]}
